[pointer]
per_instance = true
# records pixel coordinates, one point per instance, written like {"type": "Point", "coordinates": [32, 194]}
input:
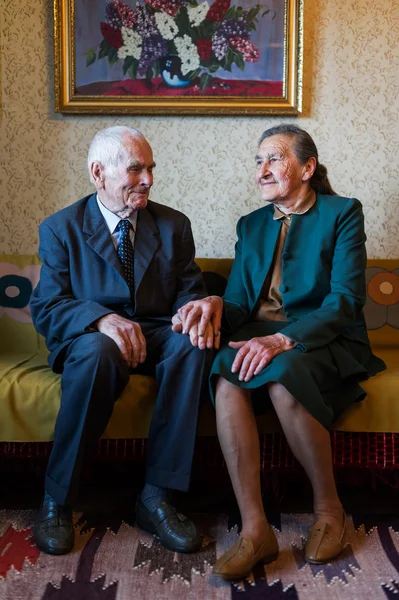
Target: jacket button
{"type": "Point", "coordinates": [283, 288]}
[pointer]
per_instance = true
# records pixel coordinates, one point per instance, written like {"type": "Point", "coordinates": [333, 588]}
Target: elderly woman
{"type": "Point", "coordinates": [293, 312]}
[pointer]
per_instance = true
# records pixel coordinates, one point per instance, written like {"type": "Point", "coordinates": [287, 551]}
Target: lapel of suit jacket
{"type": "Point", "coordinates": [99, 238]}
{"type": "Point", "coordinates": [263, 237]}
{"type": "Point", "coordinates": [305, 234]}
{"type": "Point", "coordinates": [146, 243]}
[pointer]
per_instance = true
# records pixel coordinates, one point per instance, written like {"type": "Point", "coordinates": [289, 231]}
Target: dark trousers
{"type": "Point", "coordinates": [94, 376]}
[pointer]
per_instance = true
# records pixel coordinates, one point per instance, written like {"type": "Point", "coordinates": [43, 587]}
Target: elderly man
{"type": "Point", "coordinates": [115, 268]}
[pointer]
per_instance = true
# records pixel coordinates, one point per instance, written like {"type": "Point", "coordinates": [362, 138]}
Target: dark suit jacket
{"type": "Point", "coordinates": [323, 271]}
{"type": "Point", "coordinates": [82, 278]}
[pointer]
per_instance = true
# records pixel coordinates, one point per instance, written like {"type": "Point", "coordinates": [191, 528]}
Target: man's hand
{"type": "Point", "coordinates": [203, 312]}
{"type": "Point", "coordinates": [208, 340]}
{"type": "Point", "coordinates": [255, 354]}
{"type": "Point", "coordinates": [127, 335]}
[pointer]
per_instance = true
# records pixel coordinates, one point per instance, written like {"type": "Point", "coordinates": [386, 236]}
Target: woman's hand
{"type": "Point", "coordinates": [208, 340]}
{"type": "Point", "coordinates": [201, 320]}
{"type": "Point", "coordinates": [204, 311]}
{"type": "Point", "coordinates": [255, 354]}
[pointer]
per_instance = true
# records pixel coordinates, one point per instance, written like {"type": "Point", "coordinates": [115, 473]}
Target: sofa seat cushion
{"type": "Point", "coordinates": [379, 411]}
{"type": "Point", "coordinates": [30, 393]}
{"type": "Point", "coordinates": [30, 399]}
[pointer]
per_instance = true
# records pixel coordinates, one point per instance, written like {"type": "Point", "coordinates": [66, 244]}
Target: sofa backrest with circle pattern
{"type": "Point", "coordinates": [19, 274]}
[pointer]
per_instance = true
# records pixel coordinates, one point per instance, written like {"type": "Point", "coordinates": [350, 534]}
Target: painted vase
{"type": "Point", "coordinates": [171, 71]}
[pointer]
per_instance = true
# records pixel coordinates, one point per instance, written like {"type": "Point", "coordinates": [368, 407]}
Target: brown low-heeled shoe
{"type": "Point", "coordinates": [239, 561]}
{"type": "Point", "coordinates": [322, 544]}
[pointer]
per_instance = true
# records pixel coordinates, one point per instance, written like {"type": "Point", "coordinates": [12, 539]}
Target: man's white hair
{"type": "Point", "coordinates": [107, 146]}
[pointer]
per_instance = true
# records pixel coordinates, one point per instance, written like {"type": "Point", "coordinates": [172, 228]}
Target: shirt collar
{"type": "Point", "coordinates": [112, 220]}
{"type": "Point", "coordinates": [301, 209]}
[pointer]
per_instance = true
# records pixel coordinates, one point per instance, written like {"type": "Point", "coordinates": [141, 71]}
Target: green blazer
{"type": "Point", "coordinates": [323, 272]}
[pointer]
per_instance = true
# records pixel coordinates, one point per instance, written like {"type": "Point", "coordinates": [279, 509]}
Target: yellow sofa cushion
{"type": "Point", "coordinates": [30, 400]}
{"type": "Point", "coordinates": [30, 396]}
{"type": "Point", "coordinates": [379, 411]}
{"type": "Point", "coordinates": [30, 391]}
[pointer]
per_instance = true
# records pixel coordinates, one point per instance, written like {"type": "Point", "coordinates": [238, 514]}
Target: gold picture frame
{"type": "Point", "coordinates": [116, 47]}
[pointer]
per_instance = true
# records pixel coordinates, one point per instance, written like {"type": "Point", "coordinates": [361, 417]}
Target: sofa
{"type": "Point", "coordinates": [367, 435]}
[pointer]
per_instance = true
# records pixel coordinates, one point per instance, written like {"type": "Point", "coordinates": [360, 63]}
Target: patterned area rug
{"type": "Point", "coordinates": [113, 560]}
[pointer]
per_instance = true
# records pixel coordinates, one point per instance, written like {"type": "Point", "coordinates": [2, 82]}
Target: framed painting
{"type": "Point", "coordinates": [178, 56]}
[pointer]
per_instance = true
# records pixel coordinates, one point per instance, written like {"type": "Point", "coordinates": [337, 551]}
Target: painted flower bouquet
{"type": "Point", "coordinates": [177, 39]}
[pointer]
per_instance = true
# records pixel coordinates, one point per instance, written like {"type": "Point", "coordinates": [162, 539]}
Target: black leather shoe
{"type": "Point", "coordinates": [175, 531]}
{"type": "Point", "coordinates": [53, 530]}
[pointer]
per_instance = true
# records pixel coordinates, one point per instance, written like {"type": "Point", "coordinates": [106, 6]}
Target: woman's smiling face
{"type": "Point", "coordinates": [279, 175]}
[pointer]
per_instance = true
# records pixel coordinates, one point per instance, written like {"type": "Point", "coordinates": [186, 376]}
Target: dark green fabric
{"type": "Point", "coordinates": [323, 264]}
{"type": "Point", "coordinates": [324, 380]}
{"type": "Point", "coordinates": [323, 290]}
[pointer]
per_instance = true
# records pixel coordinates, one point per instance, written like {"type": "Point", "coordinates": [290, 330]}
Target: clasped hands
{"type": "Point", "coordinates": [201, 319]}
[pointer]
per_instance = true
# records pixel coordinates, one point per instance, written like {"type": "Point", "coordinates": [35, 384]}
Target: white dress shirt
{"type": "Point", "coordinates": [112, 221]}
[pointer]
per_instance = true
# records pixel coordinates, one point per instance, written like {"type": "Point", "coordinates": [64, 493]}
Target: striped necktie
{"type": "Point", "coordinates": [125, 250]}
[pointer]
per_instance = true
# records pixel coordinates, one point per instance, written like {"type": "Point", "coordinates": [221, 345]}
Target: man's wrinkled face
{"type": "Point", "coordinates": [127, 186]}
{"type": "Point", "coordinates": [279, 174]}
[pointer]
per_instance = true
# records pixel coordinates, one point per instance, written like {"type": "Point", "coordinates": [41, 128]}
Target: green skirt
{"type": "Point", "coordinates": [325, 381]}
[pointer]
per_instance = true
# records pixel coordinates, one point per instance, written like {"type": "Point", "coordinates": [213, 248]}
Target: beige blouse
{"type": "Point", "coordinates": [271, 301]}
